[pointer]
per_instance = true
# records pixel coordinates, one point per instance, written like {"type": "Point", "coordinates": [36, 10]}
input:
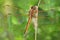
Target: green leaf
{"type": "Point", "coordinates": [14, 20]}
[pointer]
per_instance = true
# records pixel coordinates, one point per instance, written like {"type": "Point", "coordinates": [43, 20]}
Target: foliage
{"type": "Point", "coordinates": [48, 20]}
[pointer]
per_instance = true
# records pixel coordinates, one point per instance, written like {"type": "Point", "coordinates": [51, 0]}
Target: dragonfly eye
{"type": "Point", "coordinates": [33, 7]}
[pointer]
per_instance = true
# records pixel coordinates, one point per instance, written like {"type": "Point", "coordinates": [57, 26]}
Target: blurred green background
{"type": "Point", "coordinates": [12, 26]}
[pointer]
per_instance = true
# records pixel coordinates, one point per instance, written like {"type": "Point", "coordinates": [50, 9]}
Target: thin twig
{"type": "Point", "coordinates": [35, 22]}
{"type": "Point", "coordinates": [39, 1]}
